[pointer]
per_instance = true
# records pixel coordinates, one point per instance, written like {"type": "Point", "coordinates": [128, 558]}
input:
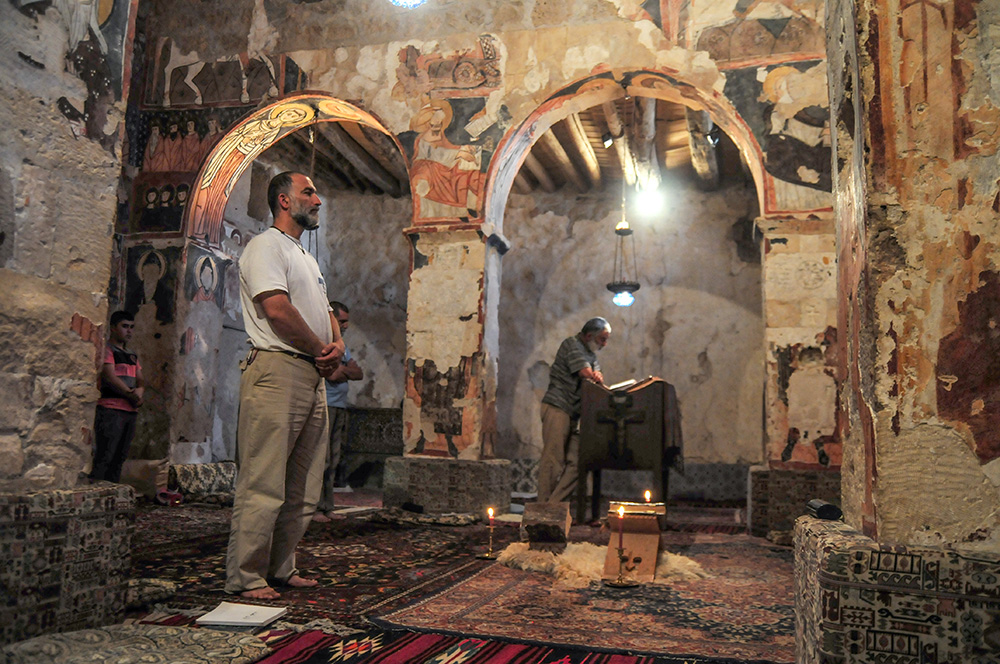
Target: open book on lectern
{"type": "Point", "coordinates": [628, 384]}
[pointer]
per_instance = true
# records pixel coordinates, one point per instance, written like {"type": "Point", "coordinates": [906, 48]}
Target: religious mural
{"type": "Point", "coordinates": [204, 279]}
{"type": "Point", "coordinates": [186, 107]}
{"type": "Point", "coordinates": [787, 111]}
{"type": "Point", "coordinates": [453, 131]}
{"type": "Point", "coordinates": [760, 32]}
{"type": "Point", "coordinates": [176, 80]}
{"type": "Point", "coordinates": [150, 282]}
{"type": "Point", "coordinates": [96, 31]}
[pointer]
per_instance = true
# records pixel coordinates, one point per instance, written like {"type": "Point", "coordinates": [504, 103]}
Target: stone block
{"type": "Point", "coordinates": [447, 485]}
{"type": "Point", "coordinates": [546, 526]}
{"type": "Point", "coordinates": [65, 558]}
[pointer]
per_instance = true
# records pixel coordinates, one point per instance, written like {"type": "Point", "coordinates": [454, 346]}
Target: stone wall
{"type": "Point", "coordinates": [59, 163]}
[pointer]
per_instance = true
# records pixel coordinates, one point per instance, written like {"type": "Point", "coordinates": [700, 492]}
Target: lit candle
{"type": "Point", "coordinates": [649, 496]}
{"type": "Point", "coordinates": [621, 525]}
{"type": "Point", "coordinates": [490, 513]}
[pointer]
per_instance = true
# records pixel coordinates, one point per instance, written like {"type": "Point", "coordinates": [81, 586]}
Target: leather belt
{"type": "Point", "coordinates": [298, 356]}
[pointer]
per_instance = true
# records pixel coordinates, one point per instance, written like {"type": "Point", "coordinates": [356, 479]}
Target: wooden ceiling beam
{"type": "Point", "coordinates": [551, 142]}
{"type": "Point", "coordinates": [340, 162]}
{"type": "Point", "coordinates": [365, 164]}
{"type": "Point", "coordinates": [704, 157]}
{"type": "Point", "coordinates": [585, 149]}
{"type": "Point", "coordinates": [617, 129]}
{"type": "Point", "coordinates": [521, 184]}
{"type": "Point", "coordinates": [535, 168]}
{"type": "Point", "coordinates": [293, 153]}
{"type": "Point", "coordinates": [647, 166]}
{"type": "Point", "coordinates": [379, 146]}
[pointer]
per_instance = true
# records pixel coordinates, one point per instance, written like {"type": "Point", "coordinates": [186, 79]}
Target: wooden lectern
{"type": "Point", "coordinates": [634, 428]}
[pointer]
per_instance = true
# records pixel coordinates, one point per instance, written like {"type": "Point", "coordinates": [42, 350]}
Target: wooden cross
{"type": "Point", "coordinates": [620, 417]}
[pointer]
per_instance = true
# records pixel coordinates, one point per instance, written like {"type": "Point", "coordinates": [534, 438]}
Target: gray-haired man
{"type": "Point", "coordinates": [576, 361]}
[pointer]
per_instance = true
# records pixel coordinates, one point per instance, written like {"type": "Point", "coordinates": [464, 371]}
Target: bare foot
{"type": "Point", "coordinates": [296, 581]}
{"type": "Point", "coordinates": [267, 592]}
{"type": "Point", "coordinates": [319, 517]}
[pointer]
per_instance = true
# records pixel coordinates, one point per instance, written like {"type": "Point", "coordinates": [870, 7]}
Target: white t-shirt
{"type": "Point", "coordinates": [273, 261]}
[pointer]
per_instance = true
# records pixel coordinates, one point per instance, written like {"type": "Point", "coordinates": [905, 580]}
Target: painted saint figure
{"type": "Point", "coordinates": [446, 177]}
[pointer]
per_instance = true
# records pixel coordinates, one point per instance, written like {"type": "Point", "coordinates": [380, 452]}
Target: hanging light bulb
{"type": "Point", "coordinates": [622, 287]}
{"type": "Point", "coordinates": [408, 4]}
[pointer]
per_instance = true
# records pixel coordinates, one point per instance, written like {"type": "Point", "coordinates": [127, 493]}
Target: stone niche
{"type": "Point", "coordinates": [64, 558]}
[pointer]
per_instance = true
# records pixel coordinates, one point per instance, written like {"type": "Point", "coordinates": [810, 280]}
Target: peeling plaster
{"type": "Point", "coordinates": [947, 500]}
{"type": "Point", "coordinates": [263, 39]}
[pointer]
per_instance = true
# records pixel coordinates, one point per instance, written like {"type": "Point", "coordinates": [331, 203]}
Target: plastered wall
{"type": "Point", "coordinates": [920, 269]}
{"type": "Point", "coordinates": [697, 320]}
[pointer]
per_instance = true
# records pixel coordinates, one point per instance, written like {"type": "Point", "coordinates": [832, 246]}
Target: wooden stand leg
{"type": "Point", "coordinates": [595, 497]}
{"type": "Point", "coordinates": [581, 496]}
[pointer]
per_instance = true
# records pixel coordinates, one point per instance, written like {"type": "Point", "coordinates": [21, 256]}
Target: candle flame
{"type": "Point", "coordinates": [621, 511]}
{"type": "Point", "coordinates": [648, 496]}
{"type": "Point", "coordinates": [490, 512]}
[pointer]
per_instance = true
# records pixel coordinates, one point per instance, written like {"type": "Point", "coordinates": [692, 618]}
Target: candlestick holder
{"type": "Point", "coordinates": [621, 581]}
{"type": "Point", "coordinates": [489, 555]}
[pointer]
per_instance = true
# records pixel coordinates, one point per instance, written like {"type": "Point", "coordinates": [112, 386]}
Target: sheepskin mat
{"type": "Point", "coordinates": [582, 563]}
{"type": "Point", "coordinates": [735, 602]}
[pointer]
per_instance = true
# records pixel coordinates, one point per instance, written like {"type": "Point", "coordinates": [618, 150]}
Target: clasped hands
{"type": "Point", "coordinates": [329, 359]}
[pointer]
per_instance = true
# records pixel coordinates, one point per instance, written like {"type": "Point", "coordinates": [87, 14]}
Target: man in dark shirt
{"type": "Point", "coordinates": [576, 361]}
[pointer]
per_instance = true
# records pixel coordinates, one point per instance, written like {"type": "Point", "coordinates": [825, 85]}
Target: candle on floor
{"type": "Point", "coordinates": [621, 525]}
{"type": "Point", "coordinates": [490, 513]}
{"type": "Point", "coordinates": [649, 496]}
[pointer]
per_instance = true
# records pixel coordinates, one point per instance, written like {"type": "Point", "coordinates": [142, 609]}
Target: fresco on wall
{"type": "Point", "coordinates": [787, 110]}
{"type": "Point", "coordinates": [447, 170]}
{"type": "Point", "coordinates": [968, 367]}
{"type": "Point", "coordinates": [807, 392]}
{"type": "Point", "coordinates": [166, 149]}
{"type": "Point", "coordinates": [96, 31]}
{"type": "Point", "coordinates": [186, 107]}
{"type": "Point", "coordinates": [180, 80]}
{"type": "Point", "coordinates": [151, 278]}
{"type": "Point", "coordinates": [763, 32]}
{"type": "Point", "coordinates": [204, 279]}
{"type": "Point", "coordinates": [453, 131]}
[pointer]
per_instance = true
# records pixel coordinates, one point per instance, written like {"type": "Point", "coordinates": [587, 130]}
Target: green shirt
{"type": "Point", "coordinates": [564, 375]}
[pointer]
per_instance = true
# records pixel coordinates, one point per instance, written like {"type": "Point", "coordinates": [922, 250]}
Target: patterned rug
{"type": "Point", "coordinates": [408, 577]}
{"type": "Point", "coordinates": [364, 567]}
{"type": "Point", "coordinates": [405, 647]}
{"type": "Point", "coordinates": [744, 612]}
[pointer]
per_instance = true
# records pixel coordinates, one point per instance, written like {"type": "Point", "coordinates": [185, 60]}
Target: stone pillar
{"type": "Point", "coordinates": [450, 380]}
{"type": "Point", "coordinates": [803, 446]}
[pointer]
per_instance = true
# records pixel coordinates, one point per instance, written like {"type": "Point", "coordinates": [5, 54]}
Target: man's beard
{"type": "Point", "coordinates": [308, 221]}
{"type": "Point", "coordinates": [593, 346]}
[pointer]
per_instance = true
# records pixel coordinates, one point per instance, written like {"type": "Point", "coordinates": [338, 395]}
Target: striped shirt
{"type": "Point", "coordinates": [564, 375]}
{"type": "Point", "coordinates": [126, 366]}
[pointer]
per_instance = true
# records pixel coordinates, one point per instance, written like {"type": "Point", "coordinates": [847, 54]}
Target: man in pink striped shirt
{"type": "Point", "coordinates": [121, 386]}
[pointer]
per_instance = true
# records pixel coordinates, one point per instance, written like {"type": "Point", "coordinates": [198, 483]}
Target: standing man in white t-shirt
{"type": "Point", "coordinates": [282, 426]}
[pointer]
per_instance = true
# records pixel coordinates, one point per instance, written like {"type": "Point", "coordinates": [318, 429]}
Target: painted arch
{"type": "Point", "coordinates": [607, 86]}
{"type": "Point", "coordinates": [246, 141]}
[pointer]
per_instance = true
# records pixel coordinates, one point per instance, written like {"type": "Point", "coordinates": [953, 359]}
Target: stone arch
{"type": "Point", "coordinates": [597, 89]}
{"type": "Point", "coordinates": [234, 153]}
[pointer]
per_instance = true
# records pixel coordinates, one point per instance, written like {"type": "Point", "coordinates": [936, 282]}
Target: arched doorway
{"type": "Point", "coordinates": [698, 322]}
{"type": "Point", "coordinates": [228, 206]}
